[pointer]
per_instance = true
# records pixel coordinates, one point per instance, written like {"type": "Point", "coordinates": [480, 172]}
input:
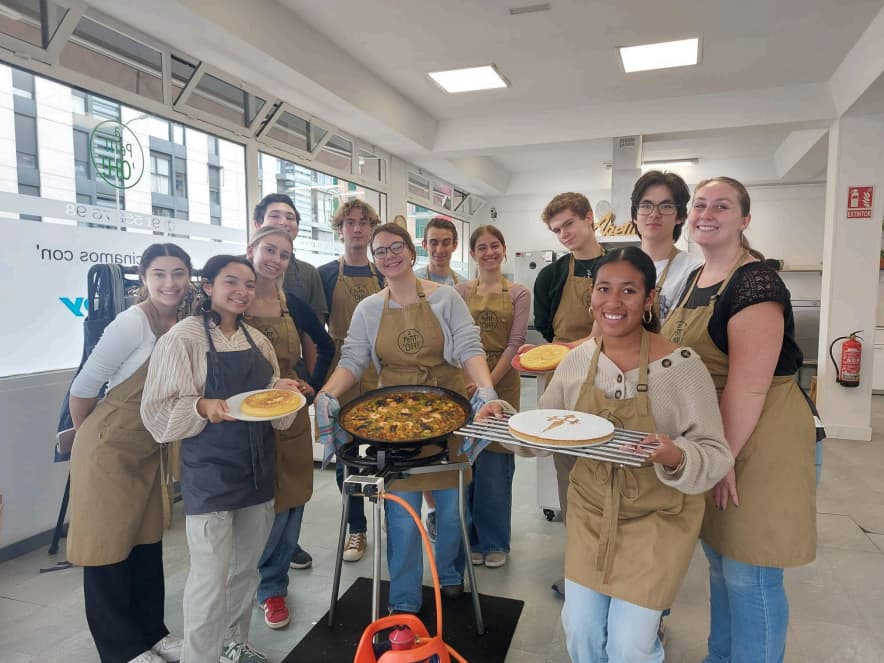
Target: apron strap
{"type": "Point", "coordinates": [610, 520]}
{"type": "Point", "coordinates": [167, 485]}
{"type": "Point", "coordinates": [642, 386]}
{"type": "Point", "coordinates": [212, 349]}
{"type": "Point", "coordinates": [662, 278]}
{"type": "Point", "coordinates": [340, 266]}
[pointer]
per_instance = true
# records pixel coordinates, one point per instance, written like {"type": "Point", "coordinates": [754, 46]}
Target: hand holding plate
{"type": "Point", "coordinates": [214, 409]}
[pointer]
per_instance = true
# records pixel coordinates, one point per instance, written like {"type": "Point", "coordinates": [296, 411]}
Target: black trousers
{"type": "Point", "coordinates": [124, 604]}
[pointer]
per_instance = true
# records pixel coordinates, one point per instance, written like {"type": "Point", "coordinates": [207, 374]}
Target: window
{"type": "Point", "coordinates": [81, 153]}
{"type": "Point", "coordinates": [213, 145]}
{"type": "Point", "coordinates": [215, 185]}
{"type": "Point", "coordinates": [181, 214]}
{"type": "Point", "coordinates": [176, 133]}
{"type": "Point", "coordinates": [160, 173]}
{"type": "Point", "coordinates": [26, 143]}
{"type": "Point", "coordinates": [163, 211]}
{"type": "Point", "coordinates": [109, 110]}
{"type": "Point", "coordinates": [104, 200]}
{"type": "Point", "coordinates": [29, 191]}
{"type": "Point", "coordinates": [22, 84]}
{"type": "Point", "coordinates": [181, 178]}
{"type": "Point", "coordinates": [78, 102]}
{"type": "Point", "coordinates": [215, 220]}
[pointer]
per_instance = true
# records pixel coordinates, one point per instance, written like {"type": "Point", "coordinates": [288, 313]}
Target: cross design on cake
{"type": "Point", "coordinates": [560, 420]}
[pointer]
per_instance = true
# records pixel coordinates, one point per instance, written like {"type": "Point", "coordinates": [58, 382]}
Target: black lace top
{"type": "Point", "coordinates": [752, 283]}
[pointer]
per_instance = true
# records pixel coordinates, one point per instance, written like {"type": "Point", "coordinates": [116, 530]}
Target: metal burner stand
{"type": "Point", "coordinates": [372, 486]}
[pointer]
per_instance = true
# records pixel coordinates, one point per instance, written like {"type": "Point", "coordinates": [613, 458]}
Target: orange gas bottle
{"type": "Point", "coordinates": [408, 640]}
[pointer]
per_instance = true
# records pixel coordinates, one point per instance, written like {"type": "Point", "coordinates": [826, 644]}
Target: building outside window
{"type": "Point", "coordinates": [160, 173]}
{"type": "Point", "coordinates": [215, 185]}
{"type": "Point", "coordinates": [181, 178]}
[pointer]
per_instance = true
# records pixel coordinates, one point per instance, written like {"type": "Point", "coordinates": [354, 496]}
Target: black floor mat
{"type": "Point", "coordinates": [353, 614]}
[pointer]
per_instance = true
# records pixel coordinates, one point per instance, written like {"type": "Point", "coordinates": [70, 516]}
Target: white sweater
{"type": "Point", "coordinates": [683, 402]}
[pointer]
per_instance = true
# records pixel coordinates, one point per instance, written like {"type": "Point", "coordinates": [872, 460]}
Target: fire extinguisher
{"type": "Point", "coordinates": [847, 372]}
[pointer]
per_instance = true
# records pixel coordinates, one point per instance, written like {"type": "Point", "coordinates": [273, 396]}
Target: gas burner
{"type": "Point", "coordinates": [390, 460]}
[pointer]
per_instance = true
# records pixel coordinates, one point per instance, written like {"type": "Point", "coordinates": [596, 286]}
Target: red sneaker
{"type": "Point", "coordinates": [276, 612]}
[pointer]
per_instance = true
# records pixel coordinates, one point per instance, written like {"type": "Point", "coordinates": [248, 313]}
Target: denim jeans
{"type": "Point", "coordinates": [600, 628]}
{"type": "Point", "coordinates": [490, 502]}
{"type": "Point", "coordinates": [405, 548]}
{"type": "Point", "coordinates": [750, 613]}
{"type": "Point", "coordinates": [356, 516]}
{"type": "Point", "coordinates": [281, 544]}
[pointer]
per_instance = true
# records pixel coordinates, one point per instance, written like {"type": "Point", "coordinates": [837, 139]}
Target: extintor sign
{"type": "Point", "coordinates": [859, 202]}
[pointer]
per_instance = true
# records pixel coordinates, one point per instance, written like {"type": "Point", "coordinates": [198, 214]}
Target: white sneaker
{"type": "Point", "coordinates": [241, 652]}
{"type": "Point", "coordinates": [355, 547]}
{"type": "Point", "coordinates": [169, 648]}
{"type": "Point", "coordinates": [147, 657]}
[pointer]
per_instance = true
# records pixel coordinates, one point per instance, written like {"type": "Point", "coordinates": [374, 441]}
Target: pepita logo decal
{"type": "Point", "coordinates": [587, 298]}
{"type": "Point", "coordinates": [358, 293]}
{"type": "Point", "coordinates": [678, 331]}
{"type": "Point", "coordinates": [411, 341]}
{"type": "Point", "coordinates": [487, 321]}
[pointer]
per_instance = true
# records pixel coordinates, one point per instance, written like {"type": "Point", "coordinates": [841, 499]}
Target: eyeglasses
{"type": "Point", "coordinates": [645, 208]}
{"type": "Point", "coordinates": [381, 251]}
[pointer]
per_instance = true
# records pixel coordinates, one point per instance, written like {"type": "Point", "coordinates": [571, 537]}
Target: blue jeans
{"type": "Point", "coordinates": [281, 544]}
{"type": "Point", "coordinates": [405, 558]}
{"type": "Point", "coordinates": [819, 461]}
{"type": "Point", "coordinates": [356, 516]}
{"type": "Point", "coordinates": [600, 628]}
{"type": "Point", "coordinates": [750, 613]}
{"type": "Point", "coordinates": [490, 502]}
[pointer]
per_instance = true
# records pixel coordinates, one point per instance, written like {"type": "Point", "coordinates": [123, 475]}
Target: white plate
{"type": "Point", "coordinates": [560, 427]}
{"type": "Point", "coordinates": [235, 402]}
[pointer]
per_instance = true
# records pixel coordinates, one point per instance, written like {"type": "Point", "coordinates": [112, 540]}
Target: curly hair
{"type": "Point", "coordinates": [576, 202]}
{"type": "Point", "coordinates": [368, 213]}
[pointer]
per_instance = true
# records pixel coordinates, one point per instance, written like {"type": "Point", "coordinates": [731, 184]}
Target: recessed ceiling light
{"type": "Point", "coordinates": [675, 163]}
{"type": "Point", "coordinates": [468, 80]}
{"type": "Point", "coordinates": [682, 53]}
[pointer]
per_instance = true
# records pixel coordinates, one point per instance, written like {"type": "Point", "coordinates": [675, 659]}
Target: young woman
{"type": "Point", "coordinates": [284, 319]}
{"type": "Point", "coordinates": [227, 466]}
{"type": "Point", "coordinates": [737, 315]}
{"type": "Point", "coordinates": [445, 343]}
{"type": "Point", "coordinates": [632, 531]}
{"type": "Point", "coordinates": [116, 504]}
{"type": "Point", "coordinates": [500, 309]}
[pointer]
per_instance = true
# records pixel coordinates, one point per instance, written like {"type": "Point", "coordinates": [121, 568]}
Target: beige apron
{"type": "Point", "coordinates": [493, 313]}
{"type": "Point", "coordinates": [630, 536]}
{"type": "Point", "coordinates": [348, 292]}
{"type": "Point", "coordinates": [294, 446]}
{"type": "Point", "coordinates": [116, 483]}
{"type": "Point", "coordinates": [573, 319]}
{"type": "Point", "coordinates": [409, 346]}
{"type": "Point", "coordinates": [775, 524]}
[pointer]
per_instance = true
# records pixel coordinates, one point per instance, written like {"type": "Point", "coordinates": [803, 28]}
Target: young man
{"type": "Point", "coordinates": [346, 282]}
{"type": "Point", "coordinates": [562, 293]}
{"type": "Point", "coordinates": [301, 280]}
{"type": "Point", "coordinates": [440, 241]}
{"type": "Point", "coordinates": [659, 208]}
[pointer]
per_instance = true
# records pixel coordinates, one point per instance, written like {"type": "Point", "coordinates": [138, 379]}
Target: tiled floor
{"type": "Point", "coordinates": [837, 603]}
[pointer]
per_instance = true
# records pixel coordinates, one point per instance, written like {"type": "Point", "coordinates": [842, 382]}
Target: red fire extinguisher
{"type": "Point", "coordinates": [847, 372]}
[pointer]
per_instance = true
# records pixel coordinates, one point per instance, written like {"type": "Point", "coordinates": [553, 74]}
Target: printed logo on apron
{"type": "Point", "coordinates": [358, 292]}
{"type": "Point", "coordinates": [678, 330]}
{"type": "Point", "coordinates": [411, 341]}
{"type": "Point", "coordinates": [271, 334]}
{"type": "Point", "coordinates": [487, 320]}
{"type": "Point", "coordinates": [587, 298]}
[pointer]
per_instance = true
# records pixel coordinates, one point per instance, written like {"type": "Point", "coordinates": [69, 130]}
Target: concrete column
{"type": "Point", "coordinates": [850, 270]}
{"type": "Point", "coordinates": [397, 199]}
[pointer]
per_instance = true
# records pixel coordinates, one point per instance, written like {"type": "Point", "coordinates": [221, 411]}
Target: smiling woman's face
{"type": "Point", "coordinates": [716, 218]}
{"type": "Point", "coordinates": [271, 256]}
{"type": "Point", "coordinates": [390, 263]}
{"type": "Point", "coordinates": [233, 290]}
{"type": "Point", "coordinates": [619, 298]}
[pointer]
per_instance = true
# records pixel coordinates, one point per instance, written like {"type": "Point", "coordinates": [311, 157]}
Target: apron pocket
{"type": "Point", "coordinates": [125, 452]}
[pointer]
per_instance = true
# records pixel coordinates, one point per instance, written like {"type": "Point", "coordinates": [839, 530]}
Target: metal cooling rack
{"type": "Point", "coordinates": [625, 448]}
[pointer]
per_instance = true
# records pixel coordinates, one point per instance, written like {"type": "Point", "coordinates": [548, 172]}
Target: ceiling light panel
{"type": "Point", "coordinates": [664, 55]}
{"type": "Point", "coordinates": [470, 79]}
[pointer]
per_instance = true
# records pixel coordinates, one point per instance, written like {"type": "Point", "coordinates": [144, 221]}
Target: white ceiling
{"type": "Point", "coordinates": [767, 74]}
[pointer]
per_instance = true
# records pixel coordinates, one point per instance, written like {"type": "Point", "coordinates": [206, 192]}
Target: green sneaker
{"type": "Point", "coordinates": [241, 652]}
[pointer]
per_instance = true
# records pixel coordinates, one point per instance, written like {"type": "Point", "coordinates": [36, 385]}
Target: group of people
{"type": "Point", "coordinates": [261, 324]}
{"type": "Point", "coordinates": [698, 352]}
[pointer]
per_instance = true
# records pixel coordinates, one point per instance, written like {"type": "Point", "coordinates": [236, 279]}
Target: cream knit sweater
{"type": "Point", "coordinates": [683, 401]}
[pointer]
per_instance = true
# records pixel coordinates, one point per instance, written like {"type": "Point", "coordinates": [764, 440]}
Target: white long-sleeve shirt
{"type": "Point", "coordinates": [123, 347]}
{"type": "Point", "coordinates": [683, 402]}
{"type": "Point", "coordinates": [176, 377]}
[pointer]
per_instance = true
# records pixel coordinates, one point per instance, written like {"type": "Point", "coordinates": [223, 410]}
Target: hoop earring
{"type": "Point", "coordinates": [590, 312]}
{"type": "Point", "coordinates": [647, 316]}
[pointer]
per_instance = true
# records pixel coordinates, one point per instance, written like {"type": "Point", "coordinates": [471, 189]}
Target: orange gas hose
{"type": "Point", "coordinates": [432, 559]}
